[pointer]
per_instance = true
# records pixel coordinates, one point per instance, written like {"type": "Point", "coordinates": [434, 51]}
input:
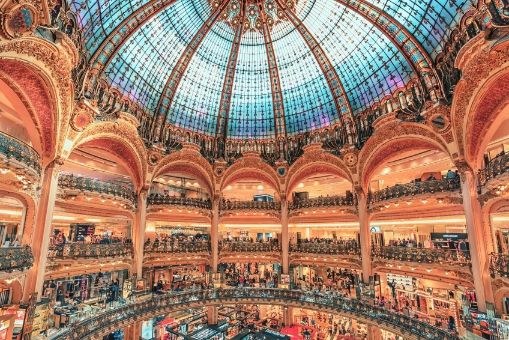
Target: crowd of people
{"type": "Point", "coordinates": [249, 275]}
{"type": "Point", "coordinates": [341, 281]}
{"type": "Point", "coordinates": [178, 242]}
{"type": "Point", "coordinates": [238, 244]}
{"type": "Point", "coordinates": [59, 238]}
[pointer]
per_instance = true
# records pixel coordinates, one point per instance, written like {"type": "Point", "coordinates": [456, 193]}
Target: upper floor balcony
{"type": "Point", "coordinates": [494, 175]}
{"type": "Point", "coordinates": [167, 200]}
{"type": "Point", "coordinates": [499, 265]}
{"type": "Point", "coordinates": [180, 247]}
{"type": "Point", "coordinates": [446, 257]}
{"type": "Point", "coordinates": [250, 205]}
{"type": "Point", "coordinates": [326, 248]}
{"type": "Point", "coordinates": [72, 186]}
{"type": "Point", "coordinates": [16, 258]}
{"type": "Point", "coordinates": [19, 160]}
{"type": "Point", "coordinates": [70, 251]}
{"type": "Point", "coordinates": [249, 247]}
{"type": "Point", "coordinates": [409, 190]}
{"type": "Point", "coordinates": [323, 202]}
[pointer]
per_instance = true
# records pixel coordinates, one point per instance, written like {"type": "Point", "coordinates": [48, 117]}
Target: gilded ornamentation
{"type": "Point", "coordinates": [19, 20]}
{"type": "Point", "coordinates": [251, 166]}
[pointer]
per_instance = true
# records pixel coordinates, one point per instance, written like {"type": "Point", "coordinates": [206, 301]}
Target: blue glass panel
{"type": "Point", "coordinates": [196, 104]}
{"type": "Point", "coordinates": [145, 61]}
{"type": "Point", "coordinates": [306, 95]}
{"type": "Point", "coordinates": [369, 65]}
{"type": "Point", "coordinates": [99, 18]}
{"type": "Point", "coordinates": [251, 113]}
{"type": "Point", "coordinates": [429, 21]}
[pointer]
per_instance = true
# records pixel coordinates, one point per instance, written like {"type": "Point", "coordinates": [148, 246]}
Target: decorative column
{"type": "Point", "coordinates": [288, 315]}
{"type": "Point", "coordinates": [476, 237]}
{"type": "Point", "coordinates": [42, 229]}
{"type": "Point", "coordinates": [365, 235]}
{"type": "Point", "coordinates": [133, 331]}
{"type": "Point", "coordinates": [214, 233]}
{"type": "Point", "coordinates": [285, 244]}
{"type": "Point", "coordinates": [139, 232]}
{"type": "Point", "coordinates": [374, 333]}
{"type": "Point", "coordinates": [212, 315]}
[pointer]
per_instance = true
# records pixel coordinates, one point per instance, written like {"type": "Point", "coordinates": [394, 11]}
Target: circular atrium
{"type": "Point", "coordinates": [254, 169]}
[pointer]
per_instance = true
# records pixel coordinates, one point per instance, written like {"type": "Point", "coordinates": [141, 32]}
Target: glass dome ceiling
{"type": "Point", "coordinates": [262, 68]}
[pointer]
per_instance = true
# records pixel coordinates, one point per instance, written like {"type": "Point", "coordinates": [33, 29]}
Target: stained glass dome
{"type": "Point", "coordinates": [262, 68]}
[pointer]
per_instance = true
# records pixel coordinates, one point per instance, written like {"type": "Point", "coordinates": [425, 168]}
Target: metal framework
{"type": "Point", "coordinates": [170, 88]}
{"type": "Point", "coordinates": [411, 49]}
{"type": "Point", "coordinates": [226, 94]}
{"type": "Point", "coordinates": [336, 86]}
{"type": "Point", "coordinates": [116, 39]}
{"type": "Point", "coordinates": [275, 82]}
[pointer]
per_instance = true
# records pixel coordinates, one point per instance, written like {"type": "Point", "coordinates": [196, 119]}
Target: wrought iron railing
{"type": "Point", "coordinates": [249, 247]}
{"type": "Point", "coordinates": [178, 247]}
{"type": "Point", "coordinates": [250, 205]}
{"type": "Point", "coordinates": [499, 265]}
{"type": "Point", "coordinates": [16, 258]}
{"type": "Point", "coordinates": [415, 188]}
{"type": "Point", "coordinates": [322, 202]}
{"type": "Point", "coordinates": [326, 248]}
{"type": "Point", "coordinates": [94, 326]}
{"type": "Point", "coordinates": [157, 199]}
{"type": "Point", "coordinates": [89, 250]}
{"type": "Point", "coordinates": [69, 181]}
{"type": "Point", "coordinates": [13, 148]}
{"type": "Point", "coordinates": [494, 168]}
{"type": "Point", "coordinates": [423, 255]}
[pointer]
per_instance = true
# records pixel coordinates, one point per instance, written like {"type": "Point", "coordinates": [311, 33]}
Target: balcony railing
{"type": "Point", "coordinates": [250, 205]}
{"type": "Point", "coordinates": [322, 202]}
{"type": "Point", "coordinates": [157, 199]}
{"type": "Point", "coordinates": [423, 255]}
{"type": "Point", "coordinates": [325, 248]}
{"type": "Point", "coordinates": [69, 181]}
{"type": "Point", "coordinates": [178, 247]}
{"type": "Point", "coordinates": [416, 188]}
{"type": "Point", "coordinates": [160, 304]}
{"type": "Point", "coordinates": [250, 247]}
{"type": "Point", "coordinates": [12, 148]}
{"type": "Point", "coordinates": [499, 265]}
{"type": "Point", "coordinates": [89, 250]}
{"type": "Point", "coordinates": [16, 258]}
{"type": "Point", "coordinates": [496, 167]}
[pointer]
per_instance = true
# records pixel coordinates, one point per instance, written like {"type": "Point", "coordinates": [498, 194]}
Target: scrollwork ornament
{"type": "Point", "coordinates": [19, 20]}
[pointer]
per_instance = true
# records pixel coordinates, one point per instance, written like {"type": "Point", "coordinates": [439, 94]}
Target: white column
{"type": "Point", "coordinates": [214, 234]}
{"type": "Point", "coordinates": [365, 234]}
{"type": "Point", "coordinates": [42, 229]}
{"type": "Point", "coordinates": [285, 244]}
{"type": "Point", "coordinates": [476, 238]}
{"type": "Point", "coordinates": [139, 232]}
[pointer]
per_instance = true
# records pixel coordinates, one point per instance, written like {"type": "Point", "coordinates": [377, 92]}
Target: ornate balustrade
{"type": "Point", "coordinates": [323, 202]}
{"type": "Point", "coordinates": [495, 167]}
{"type": "Point", "coordinates": [89, 250]}
{"type": "Point", "coordinates": [249, 247]}
{"type": "Point", "coordinates": [325, 248]}
{"type": "Point", "coordinates": [13, 149]}
{"type": "Point", "coordinates": [178, 247]}
{"type": "Point", "coordinates": [423, 255]}
{"type": "Point", "coordinates": [157, 199]}
{"type": "Point", "coordinates": [146, 308]}
{"type": "Point", "coordinates": [16, 258]}
{"type": "Point", "coordinates": [250, 205]}
{"type": "Point", "coordinates": [413, 189]}
{"type": "Point", "coordinates": [499, 265]}
{"type": "Point", "coordinates": [71, 182]}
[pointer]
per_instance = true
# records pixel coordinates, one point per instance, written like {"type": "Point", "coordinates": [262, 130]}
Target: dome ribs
{"type": "Point", "coordinates": [226, 93]}
{"type": "Point", "coordinates": [170, 88]}
{"type": "Point", "coordinates": [336, 86]}
{"type": "Point", "coordinates": [410, 47]}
